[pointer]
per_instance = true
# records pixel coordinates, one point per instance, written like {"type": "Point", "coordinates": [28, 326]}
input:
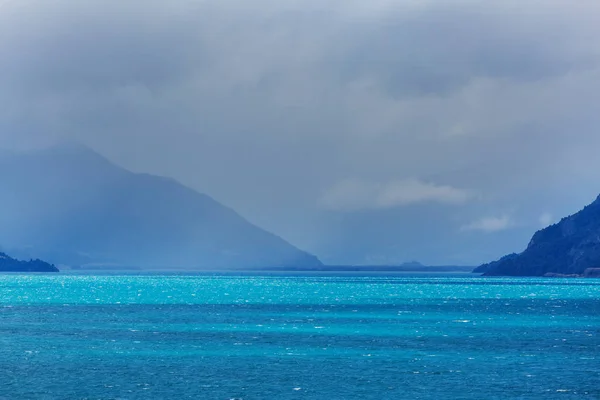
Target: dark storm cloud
{"type": "Point", "coordinates": [441, 49]}
{"type": "Point", "coordinates": [300, 113]}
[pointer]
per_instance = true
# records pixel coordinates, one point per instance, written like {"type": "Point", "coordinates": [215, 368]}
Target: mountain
{"type": "Point", "coordinates": [567, 248]}
{"type": "Point", "coordinates": [9, 264]}
{"type": "Point", "coordinates": [69, 205]}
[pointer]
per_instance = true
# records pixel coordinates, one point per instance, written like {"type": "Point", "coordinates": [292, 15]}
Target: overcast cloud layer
{"type": "Point", "coordinates": [364, 131]}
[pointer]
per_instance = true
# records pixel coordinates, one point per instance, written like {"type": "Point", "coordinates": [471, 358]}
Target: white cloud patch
{"type": "Point", "coordinates": [351, 195]}
{"type": "Point", "coordinates": [546, 219]}
{"type": "Point", "coordinates": [489, 224]}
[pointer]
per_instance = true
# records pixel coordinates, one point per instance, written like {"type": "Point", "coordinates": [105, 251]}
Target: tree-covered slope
{"type": "Point", "coordinates": [9, 264]}
{"type": "Point", "coordinates": [568, 247]}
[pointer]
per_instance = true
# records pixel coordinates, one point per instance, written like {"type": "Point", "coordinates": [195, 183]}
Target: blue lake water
{"type": "Point", "coordinates": [298, 337]}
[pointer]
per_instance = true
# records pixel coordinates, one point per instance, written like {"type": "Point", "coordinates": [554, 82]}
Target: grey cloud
{"type": "Point", "coordinates": [440, 49]}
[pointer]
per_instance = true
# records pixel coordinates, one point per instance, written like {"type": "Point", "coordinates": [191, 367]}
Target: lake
{"type": "Point", "coordinates": [298, 336]}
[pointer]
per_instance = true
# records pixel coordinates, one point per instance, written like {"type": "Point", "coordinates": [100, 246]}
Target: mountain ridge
{"type": "Point", "coordinates": [70, 205]}
{"type": "Point", "coordinates": [568, 247]}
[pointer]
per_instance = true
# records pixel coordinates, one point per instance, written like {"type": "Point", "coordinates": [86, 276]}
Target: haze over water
{"type": "Point", "coordinates": [297, 337]}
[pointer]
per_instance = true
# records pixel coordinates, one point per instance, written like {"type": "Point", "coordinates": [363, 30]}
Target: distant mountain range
{"type": "Point", "coordinates": [569, 247]}
{"type": "Point", "coordinates": [406, 267]}
{"type": "Point", "coordinates": [9, 264]}
{"type": "Point", "coordinates": [71, 206]}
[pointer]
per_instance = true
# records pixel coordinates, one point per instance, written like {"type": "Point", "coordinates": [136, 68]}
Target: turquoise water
{"type": "Point", "coordinates": [298, 337]}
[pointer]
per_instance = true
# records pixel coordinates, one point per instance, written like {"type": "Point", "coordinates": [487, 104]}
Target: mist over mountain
{"type": "Point", "coordinates": [368, 133]}
{"type": "Point", "coordinates": [69, 205]}
{"type": "Point", "coordinates": [568, 247]}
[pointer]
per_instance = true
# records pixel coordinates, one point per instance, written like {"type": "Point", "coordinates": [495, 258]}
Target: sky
{"type": "Point", "coordinates": [366, 132]}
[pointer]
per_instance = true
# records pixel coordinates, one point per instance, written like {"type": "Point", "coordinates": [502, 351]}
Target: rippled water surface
{"type": "Point", "coordinates": [298, 337]}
